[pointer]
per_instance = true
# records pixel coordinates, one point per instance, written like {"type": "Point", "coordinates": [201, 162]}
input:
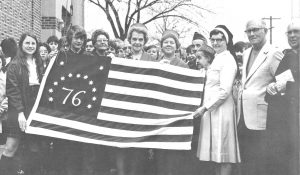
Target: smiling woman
{"type": "Point", "coordinates": [218, 128]}
{"type": "Point", "coordinates": [23, 79]}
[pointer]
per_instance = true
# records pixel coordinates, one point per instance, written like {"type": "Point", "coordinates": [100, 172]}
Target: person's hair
{"type": "Point", "coordinates": [9, 47]}
{"type": "Point", "coordinates": [139, 28]}
{"type": "Point", "coordinates": [76, 32]}
{"type": "Point", "coordinates": [98, 32]}
{"type": "Point", "coordinates": [189, 49]}
{"type": "Point", "coordinates": [240, 46]}
{"type": "Point", "coordinates": [62, 42]}
{"type": "Point", "coordinates": [3, 68]}
{"type": "Point", "coordinates": [206, 54]}
{"type": "Point", "coordinates": [88, 40]}
{"type": "Point", "coordinates": [21, 55]}
{"type": "Point", "coordinates": [53, 38]}
{"type": "Point", "coordinates": [46, 46]}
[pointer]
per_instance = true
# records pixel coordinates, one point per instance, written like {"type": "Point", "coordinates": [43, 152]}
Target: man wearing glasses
{"type": "Point", "coordinates": [260, 63]}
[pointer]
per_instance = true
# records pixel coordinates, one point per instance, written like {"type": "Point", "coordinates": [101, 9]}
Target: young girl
{"type": "Point", "coordinates": [22, 83]}
{"type": "Point", "coordinates": [44, 51]}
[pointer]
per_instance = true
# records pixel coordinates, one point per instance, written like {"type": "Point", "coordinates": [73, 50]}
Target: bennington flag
{"type": "Point", "coordinates": [117, 102]}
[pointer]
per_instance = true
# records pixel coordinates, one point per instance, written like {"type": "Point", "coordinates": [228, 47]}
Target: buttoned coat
{"type": "Point", "coordinates": [251, 97]}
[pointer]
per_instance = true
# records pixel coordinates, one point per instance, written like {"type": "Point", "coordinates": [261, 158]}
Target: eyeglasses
{"type": "Point", "coordinates": [102, 40]}
{"type": "Point", "coordinates": [295, 32]}
{"type": "Point", "coordinates": [254, 30]}
{"type": "Point", "coordinates": [218, 40]}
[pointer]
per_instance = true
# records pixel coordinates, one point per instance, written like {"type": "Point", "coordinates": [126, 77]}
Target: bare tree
{"type": "Point", "coordinates": [122, 13]}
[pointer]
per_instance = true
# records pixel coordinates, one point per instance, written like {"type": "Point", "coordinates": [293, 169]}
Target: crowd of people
{"type": "Point", "coordinates": [247, 123]}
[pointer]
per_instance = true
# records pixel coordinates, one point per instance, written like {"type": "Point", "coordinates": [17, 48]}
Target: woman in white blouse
{"type": "Point", "coordinates": [218, 137]}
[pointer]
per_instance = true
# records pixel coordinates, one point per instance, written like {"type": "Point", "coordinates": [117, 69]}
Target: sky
{"type": "Point", "coordinates": [232, 13]}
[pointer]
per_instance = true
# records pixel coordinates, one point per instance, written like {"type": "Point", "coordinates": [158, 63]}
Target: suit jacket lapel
{"type": "Point", "coordinates": [246, 59]}
{"type": "Point", "coordinates": [261, 57]}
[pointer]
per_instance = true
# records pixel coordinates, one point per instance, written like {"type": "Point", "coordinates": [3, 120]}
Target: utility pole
{"type": "Point", "coordinates": [271, 26]}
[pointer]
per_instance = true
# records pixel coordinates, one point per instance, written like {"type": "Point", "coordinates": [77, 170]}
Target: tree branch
{"type": "Point", "coordinates": [127, 15]}
{"type": "Point", "coordinates": [142, 8]}
{"type": "Point", "coordinates": [117, 18]}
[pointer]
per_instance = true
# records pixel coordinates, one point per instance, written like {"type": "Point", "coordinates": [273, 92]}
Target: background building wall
{"type": "Point", "coordinates": [42, 17]}
{"type": "Point", "coordinates": [58, 15]}
{"type": "Point", "coordinates": [78, 12]}
{"type": "Point", "coordinates": [18, 16]}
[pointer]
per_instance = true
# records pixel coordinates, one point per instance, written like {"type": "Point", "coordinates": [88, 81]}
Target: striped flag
{"type": "Point", "coordinates": [118, 102]}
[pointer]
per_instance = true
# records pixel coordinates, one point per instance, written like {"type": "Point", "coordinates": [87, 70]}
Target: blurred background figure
{"type": "Point", "coordinates": [89, 47]}
{"type": "Point", "coordinates": [153, 51]}
{"type": "Point", "coordinates": [112, 47]}
{"type": "Point", "coordinates": [239, 48]}
{"type": "Point", "coordinates": [127, 50]}
{"type": "Point", "coordinates": [44, 50]}
{"type": "Point", "coordinates": [191, 57]}
{"type": "Point", "coordinates": [63, 44]}
{"type": "Point", "coordinates": [53, 43]}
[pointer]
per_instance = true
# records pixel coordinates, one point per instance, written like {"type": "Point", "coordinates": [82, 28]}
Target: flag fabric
{"type": "Point", "coordinates": [117, 102]}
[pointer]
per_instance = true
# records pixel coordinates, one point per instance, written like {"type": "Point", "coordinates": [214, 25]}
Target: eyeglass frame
{"type": "Point", "coordinates": [295, 31]}
{"type": "Point", "coordinates": [101, 40]}
{"type": "Point", "coordinates": [254, 30]}
{"type": "Point", "coordinates": [218, 40]}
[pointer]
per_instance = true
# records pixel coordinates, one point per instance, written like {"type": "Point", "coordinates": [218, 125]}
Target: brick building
{"type": "Point", "coordinates": [17, 16]}
{"type": "Point", "coordinates": [42, 17]}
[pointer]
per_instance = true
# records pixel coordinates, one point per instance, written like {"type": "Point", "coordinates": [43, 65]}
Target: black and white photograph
{"type": "Point", "coordinates": [149, 87]}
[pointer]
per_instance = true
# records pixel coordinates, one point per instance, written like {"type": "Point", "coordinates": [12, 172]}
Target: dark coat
{"type": "Point", "coordinates": [18, 90]}
{"type": "Point", "coordinates": [283, 120]}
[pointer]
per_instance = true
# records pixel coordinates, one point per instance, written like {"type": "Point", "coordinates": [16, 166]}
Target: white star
{"type": "Point", "coordinates": [94, 98]}
{"type": "Point", "coordinates": [70, 75]}
{"type": "Point", "coordinates": [89, 106]}
{"type": "Point", "coordinates": [62, 78]}
{"type": "Point", "coordinates": [78, 75]}
{"type": "Point", "coordinates": [101, 68]}
{"type": "Point", "coordinates": [91, 82]}
{"type": "Point", "coordinates": [50, 99]}
{"type": "Point", "coordinates": [62, 63]}
{"type": "Point", "coordinates": [55, 83]}
{"type": "Point", "coordinates": [50, 90]}
{"type": "Point", "coordinates": [94, 90]}
{"type": "Point", "coordinates": [85, 77]}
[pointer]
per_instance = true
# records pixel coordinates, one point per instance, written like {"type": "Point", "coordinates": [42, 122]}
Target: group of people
{"type": "Point", "coordinates": [249, 115]}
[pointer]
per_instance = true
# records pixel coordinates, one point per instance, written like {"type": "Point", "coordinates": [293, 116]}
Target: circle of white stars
{"type": "Point", "coordinates": [90, 82]}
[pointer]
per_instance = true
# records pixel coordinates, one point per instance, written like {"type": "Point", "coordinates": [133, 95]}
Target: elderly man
{"type": "Point", "coordinates": [259, 66]}
{"type": "Point", "coordinates": [283, 111]}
